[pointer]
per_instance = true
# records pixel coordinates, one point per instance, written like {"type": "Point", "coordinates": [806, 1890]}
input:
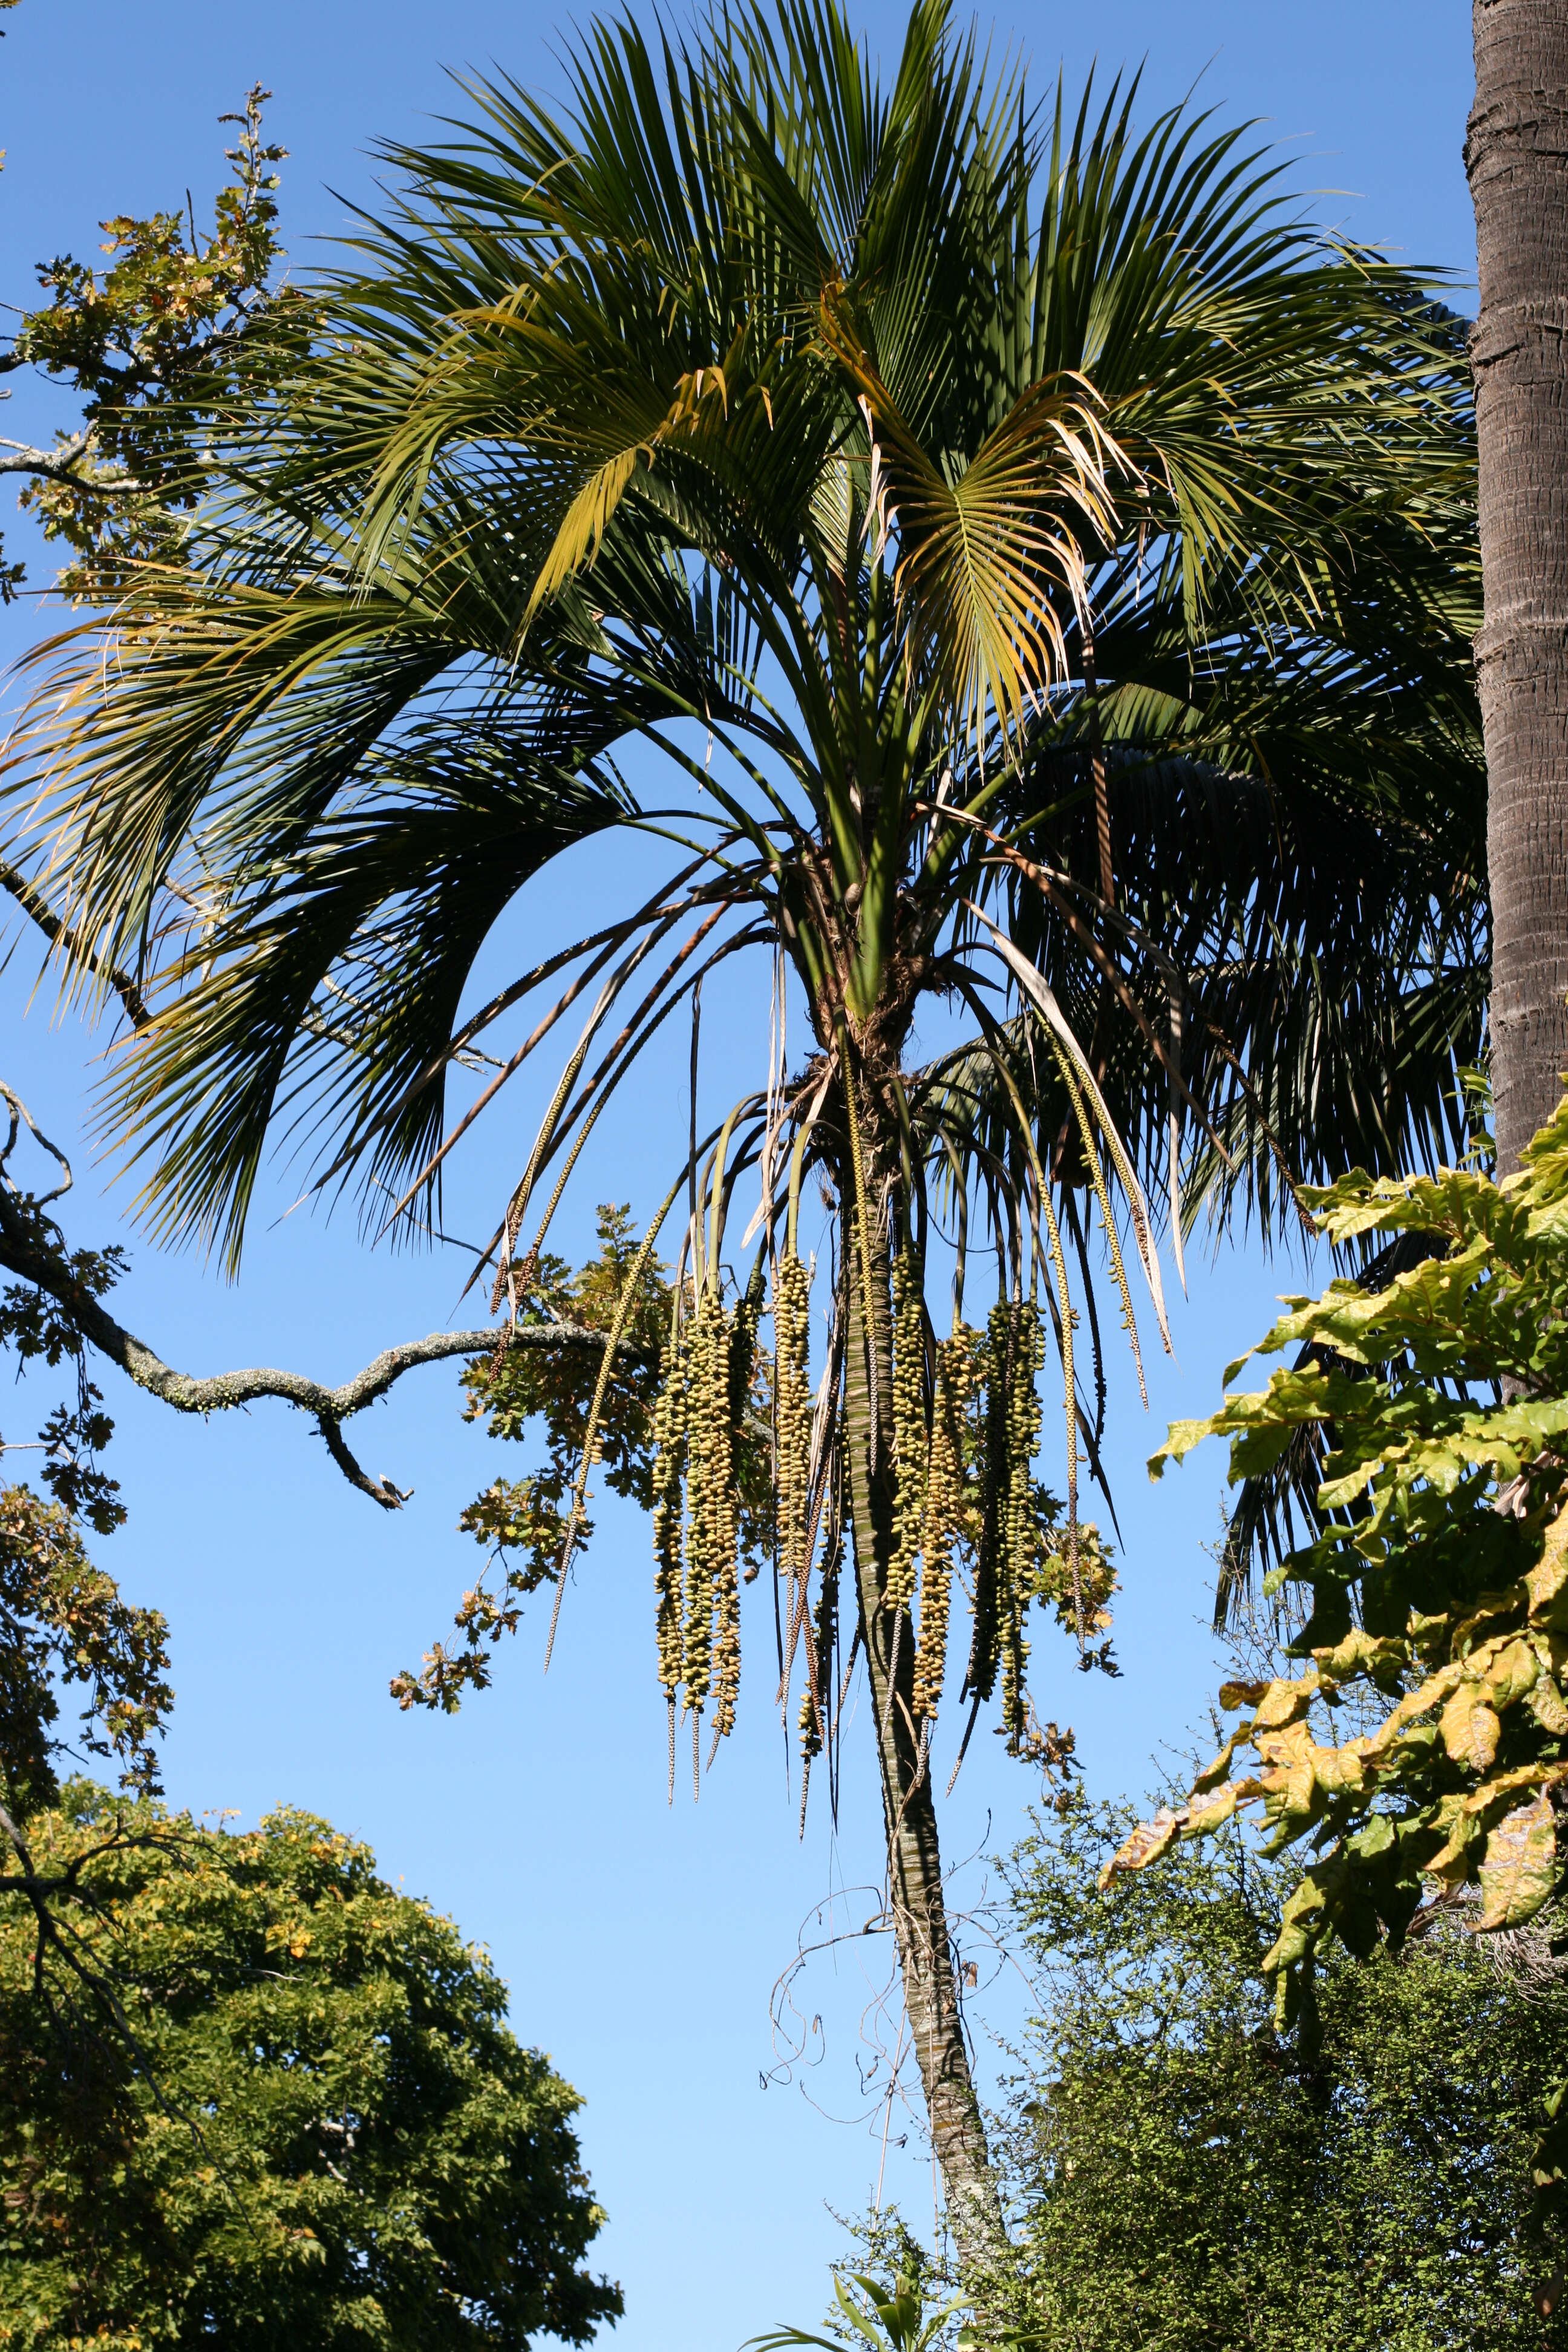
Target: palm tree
{"type": "Point", "coordinates": [1042, 567]}
{"type": "Point", "coordinates": [1515, 165]}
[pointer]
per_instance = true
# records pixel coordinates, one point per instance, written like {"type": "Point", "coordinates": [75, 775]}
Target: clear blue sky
{"type": "Point", "coordinates": [641, 1943]}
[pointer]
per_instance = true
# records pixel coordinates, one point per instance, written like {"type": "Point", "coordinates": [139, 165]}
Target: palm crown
{"type": "Point", "coordinates": [1043, 566]}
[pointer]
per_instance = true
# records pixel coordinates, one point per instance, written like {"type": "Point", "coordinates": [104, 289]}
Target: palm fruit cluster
{"type": "Point", "coordinates": [942, 1500]}
{"type": "Point", "coordinates": [669, 1498]}
{"type": "Point", "coordinates": [1008, 1534]}
{"type": "Point", "coordinates": [947, 1512]}
{"type": "Point", "coordinates": [816, 1699]}
{"type": "Point", "coordinates": [700, 1489]}
{"type": "Point", "coordinates": [792, 1411]}
{"type": "Point", "coordinates": [711, 1530]}
{"type": "Point", "coordinates": [792, 1470]}
{"type": "Point", "coordinates": [695, 1571]}
{"type": "Point", "coordinates": [1016, 1558]}
{"type": "Point", "coordinates": [911, 1446]}
{"type": "Point", "coordinates": [731, 1376]}
{"type": "Point", "coordinates": [966, 1424]}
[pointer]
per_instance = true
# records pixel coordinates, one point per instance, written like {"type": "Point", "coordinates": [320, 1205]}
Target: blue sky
{"type": "Point", "coordinates": [642, 1944]}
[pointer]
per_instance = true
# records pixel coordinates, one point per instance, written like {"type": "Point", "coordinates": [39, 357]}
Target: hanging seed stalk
{"type": "Point", "coordinates": [1108, 1221]}
{"type": "Point", "coordinates": [989, 1566]}
{"type": "Point", "coordinates": [1015, 1579]}
{"type": "Point", "coordinates": [739, 1354]}
{"type": "Point", "coordinates": [669, 1496]}
{"type": "Point", "coordinates": [1067, 1314]}
{"type": "Point", "coordinates": [863, 1230]}
{"type": "Point", "coordinates": [945, 1502]}
{"type": "Point", "coordinates": [816, 1699]}
{"type": "Point", "coordinates": [791, 1409]}
{"type": "Point", "coordinates": [709, 1492]}
{"type": "Point", "coordinates": [910, 1441]}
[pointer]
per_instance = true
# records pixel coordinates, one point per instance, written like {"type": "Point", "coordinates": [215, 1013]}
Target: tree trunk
{"type": "Point", "coordinates": [1517, 158]}
{"type": "Point", "coordinates": [914, 1855]}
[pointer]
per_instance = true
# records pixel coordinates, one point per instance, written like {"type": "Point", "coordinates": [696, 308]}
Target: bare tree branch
{"type": "Point", "coordinates": [32, 900]}
{"type": "Point", "coordinates": [61, 464]}
{"type": "Point", "coordinates": [222, 1392]}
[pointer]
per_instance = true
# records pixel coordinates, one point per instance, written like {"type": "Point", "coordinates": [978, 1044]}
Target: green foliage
{"type": "Point", "coordinates": [520, 1385]}
{"type": "Point", "coordinates": [523, 1522]}
{"type": "Point", "coordinates": [891, 2318]}
{"type": "Point", "coordinates": [326, 2135]}
{"type": "Point", "coordinates": [62, 1620]}
{"type": "Point", "coordinates": [1194, 2180]}
{"type": "Point", "coordinates": [1436, 1588]}
{"type": "Point", "coordinates": [160, 345]}
{"type": "Point", "coordinates": [37, 1326]}
{"type": "Point", "coordinates": [1439, 1579]}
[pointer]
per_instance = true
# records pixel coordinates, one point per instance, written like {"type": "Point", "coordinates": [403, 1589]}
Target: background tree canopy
{"type": "Point", "coordinates": [1197, 2182]}
{"type": "Point", "coordinates": [322, 2133]}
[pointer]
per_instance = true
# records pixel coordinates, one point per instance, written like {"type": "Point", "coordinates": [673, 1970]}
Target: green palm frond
{"type": "Point", "coordinates": [893, 2317]}
{"type": "Point", "coordinates": [834, 419]}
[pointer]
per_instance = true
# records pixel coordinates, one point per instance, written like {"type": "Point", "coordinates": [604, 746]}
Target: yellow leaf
{"type": "Point", "coordinates": [1513, 1671]}
{"type": "Point", "coordinates": [1147, 1843]}
{"type": "Point", "coordinates": [1285, 1702]}
{"type": "Point", "coordinates": [1487, 1797]}
{"type": "Point", "coordinates": [1357, 1653]}
{"type": "Point", "coordinates": [1418, 1703]}
{"type": "Point", "coordinates": [1202, 1819]}
{"type": "Point", "coordinates": [1470, 1729]}
{"type": "Point", "coordinates": [1547, 1581]}
{"type": "Point", "coordinates": [1520, 1868]}
{"type": "Point", "coordinates": [1546, 1706]}
{"type": "Point", "coordinates": [586, 520]}
{"type": "Point", "coordinates": [1339, 1769]}
{"type": "Point", "coordinates": [1213, 1774]}
{"type": "Point", "coordinates": [1150, 1840]}
{"type": "Point", "coordinates": [1451, 1865]}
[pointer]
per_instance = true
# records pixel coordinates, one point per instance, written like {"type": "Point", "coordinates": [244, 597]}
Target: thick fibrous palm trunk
{"type": "Point", "coordinates": [914, 1856]}
{"type": "Point", "coordinates": [1517, 158]}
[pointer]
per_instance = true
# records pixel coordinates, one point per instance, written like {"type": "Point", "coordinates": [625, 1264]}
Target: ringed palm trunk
{"type": "Point", "coordinates": [914, 1854]}
{"type": "Point", "coordinates": [1516, 155]}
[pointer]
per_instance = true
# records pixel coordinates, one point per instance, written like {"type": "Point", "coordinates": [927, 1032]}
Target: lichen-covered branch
{"type": "Point", "coordinates": [64, 464]}
{"type": "Point", "coordinates": [221, 1392]}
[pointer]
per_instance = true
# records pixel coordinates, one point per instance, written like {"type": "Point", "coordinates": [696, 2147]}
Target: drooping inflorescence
{"type": "Point", "coordinates": [947, 1509]}
{"type": "Point", "coordinates": [791, 1412]}
{"type": "Point", "coordinates": [711, 1528]}
{"type": "Point", "coordinates": [1017, 1558]}
{"type": "Point", "coordinates": [738, 1463]}
{"type": "Point", "coordinates": [816, 1699]}
{"type": "Point", "coordinates": [736, 1356]}
{"type": "Point", "coordinates": [991, 1503]}
{"type": "Point", "coordinates": [669, 1498]}
{"type": "Point", "coordinates": [965, 1425]}
{"type": "Point", "coordinates": [910, 1432]}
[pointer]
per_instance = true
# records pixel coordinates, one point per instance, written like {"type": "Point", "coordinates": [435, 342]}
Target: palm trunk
{"type": "Point", "coordinates": [914, 1855]}
{"type": "Point", "coordinates": [1517, 158]}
